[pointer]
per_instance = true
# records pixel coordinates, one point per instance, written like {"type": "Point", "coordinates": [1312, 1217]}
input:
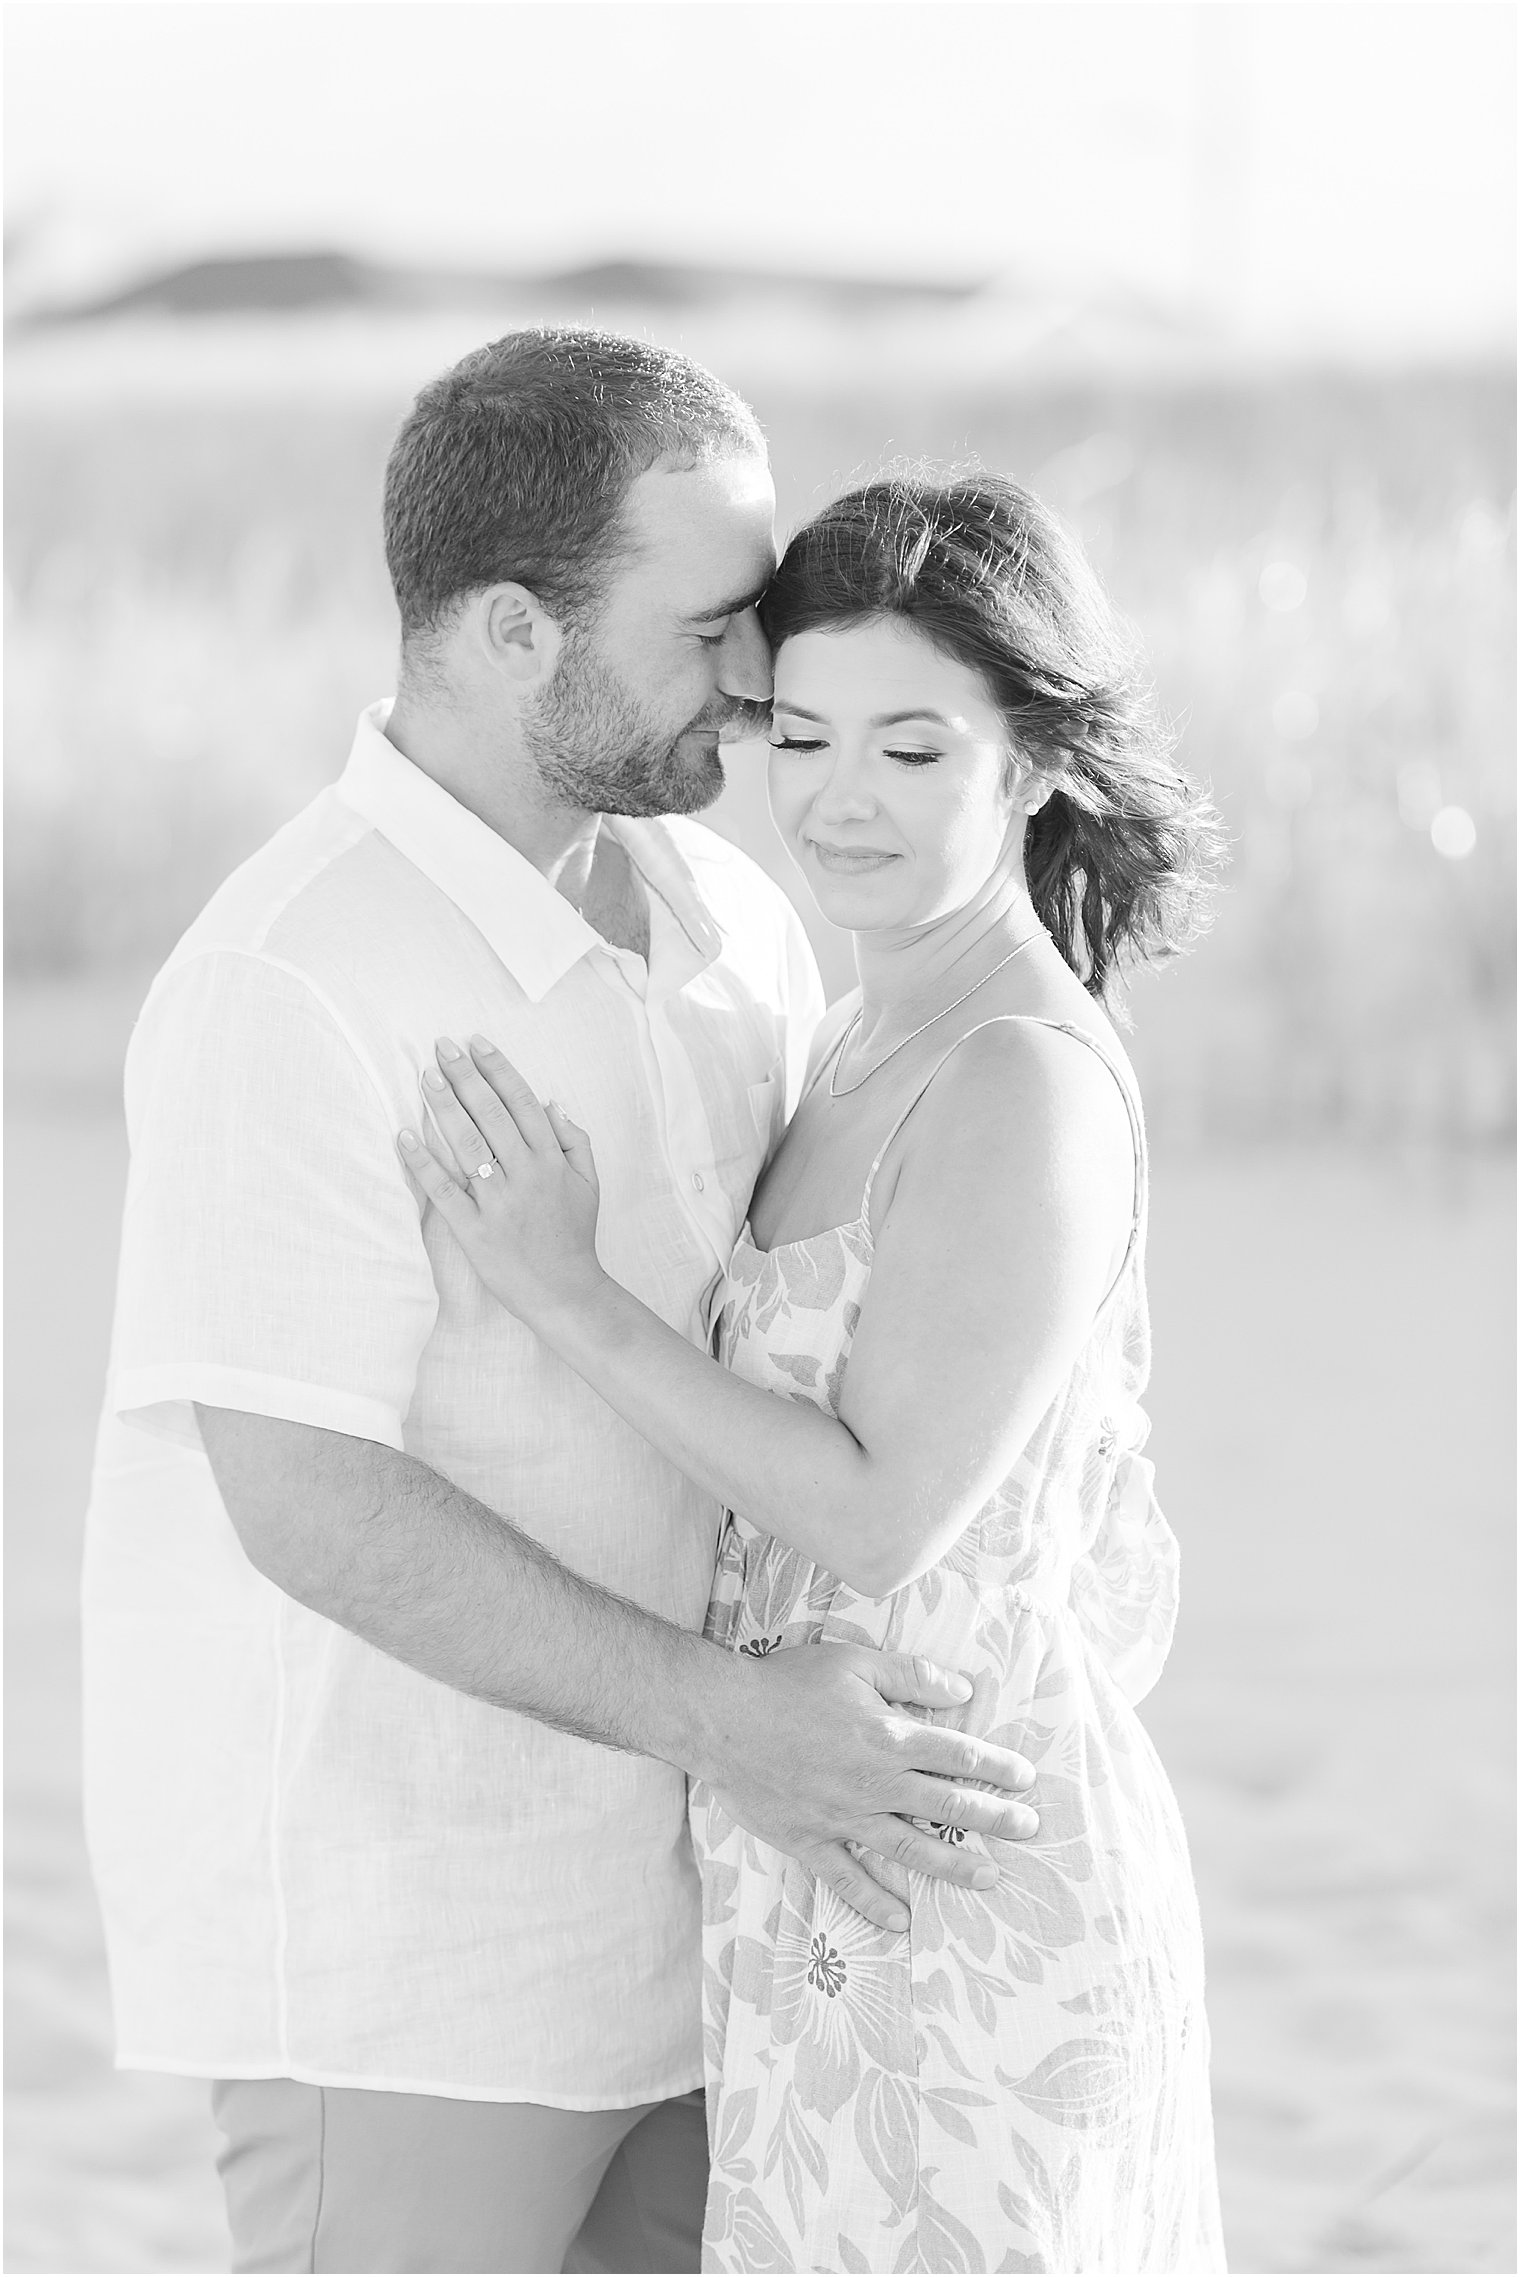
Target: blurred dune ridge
{"type": "Point", "coordinates": [283, 280]}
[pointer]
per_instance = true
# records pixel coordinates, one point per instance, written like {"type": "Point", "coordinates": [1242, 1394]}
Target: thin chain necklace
{"type": "Point", "coordinates": [836, 1093]}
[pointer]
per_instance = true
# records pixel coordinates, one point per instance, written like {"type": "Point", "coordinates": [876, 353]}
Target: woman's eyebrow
{"type": "Point", "coordinates": [882, 719]}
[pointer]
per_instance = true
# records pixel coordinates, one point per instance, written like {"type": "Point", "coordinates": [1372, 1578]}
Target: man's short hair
{"type": "Point", "coordinates": [513, 466]}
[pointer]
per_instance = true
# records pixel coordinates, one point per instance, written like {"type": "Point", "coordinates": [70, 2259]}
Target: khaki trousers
{"type": "Point", "coordinates": [350, 2179]}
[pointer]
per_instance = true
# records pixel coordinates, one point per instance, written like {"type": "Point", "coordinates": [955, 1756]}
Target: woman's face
{"type": "Point", "coordinates": [888, 775]}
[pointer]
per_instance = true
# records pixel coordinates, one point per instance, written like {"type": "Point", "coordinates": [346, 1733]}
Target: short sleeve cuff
{"type": "Point", "coordinates": [159, 1400]}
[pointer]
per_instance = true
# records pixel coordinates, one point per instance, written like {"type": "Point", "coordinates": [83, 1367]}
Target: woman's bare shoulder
{"type": "Point", "coordinates": [1032, 1054]}
{"type": "Point", "coordinates": [1018, 1092]}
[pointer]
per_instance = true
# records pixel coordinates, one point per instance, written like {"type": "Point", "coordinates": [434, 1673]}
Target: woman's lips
{"type": "Point", "coordinates": [849, 861]}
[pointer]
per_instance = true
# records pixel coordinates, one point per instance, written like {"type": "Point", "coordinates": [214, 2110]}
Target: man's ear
{"type": "Point", "coordinates": [520, 640]}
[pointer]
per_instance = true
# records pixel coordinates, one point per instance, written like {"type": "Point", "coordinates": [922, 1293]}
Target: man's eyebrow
{"type": "Point", "coordinates": [728, 608]}
{"type": "Point", "coordinates": [882, 719]}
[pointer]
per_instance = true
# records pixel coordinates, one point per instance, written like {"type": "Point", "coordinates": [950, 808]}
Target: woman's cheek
{"type": "Point", "coordinates": [958, 835]}
{"type": "Point", "coordinates": [981, 832]}
{"type": "Point", "coordinates": [784, 796]}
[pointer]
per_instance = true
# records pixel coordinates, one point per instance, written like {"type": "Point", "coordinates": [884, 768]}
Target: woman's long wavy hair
{"type": "Point", "coordinates": [1120, 858]}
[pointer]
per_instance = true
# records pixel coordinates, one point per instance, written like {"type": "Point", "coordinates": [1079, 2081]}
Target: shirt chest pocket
{"type": "Point", "coordinates": [745, 1125]}
{"type": "Point", "coordinates": [767, 1107]}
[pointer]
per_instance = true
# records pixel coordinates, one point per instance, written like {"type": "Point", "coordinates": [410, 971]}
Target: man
{"type": "Point", "coordinates": [393, 1652]}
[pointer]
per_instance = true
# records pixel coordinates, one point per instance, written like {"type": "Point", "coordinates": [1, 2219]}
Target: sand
{"type": "Point", "coordinates": [1332, 1398]}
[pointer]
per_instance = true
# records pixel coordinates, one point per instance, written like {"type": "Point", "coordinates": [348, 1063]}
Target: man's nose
{"type": "Point", "coordinates": [744, 661]}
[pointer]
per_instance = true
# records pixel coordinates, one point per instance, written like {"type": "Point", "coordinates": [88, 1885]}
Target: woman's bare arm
{"type": "Point", "coordinates": [993, 1252]}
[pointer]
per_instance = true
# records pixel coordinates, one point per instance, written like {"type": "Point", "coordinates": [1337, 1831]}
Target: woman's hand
{"type": "Point", "coordinates": [519, 1190]}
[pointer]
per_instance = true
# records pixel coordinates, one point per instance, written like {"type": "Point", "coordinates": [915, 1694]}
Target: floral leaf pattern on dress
{"type": "Point", "coordinates": [758, 2243]}
{"type": "Point", "coordinates": [736, 2121]}
{"type": "Point", "coordinates": [1020, 2082]}
{"type": "Point", "coordinates": [1079, 2084]}
{"type": "Point", "coordinates": [886, 2120]}
{"type": "Point", "coordinates": [800, 2159]}
{"type": "Point", "coordinates": [944, 2242]}
{"type": "Point", "coordinates": [942, 2106]}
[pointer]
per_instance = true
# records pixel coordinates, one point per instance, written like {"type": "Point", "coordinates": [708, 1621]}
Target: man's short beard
{"type": "Point", "coordinates": [597, 750]}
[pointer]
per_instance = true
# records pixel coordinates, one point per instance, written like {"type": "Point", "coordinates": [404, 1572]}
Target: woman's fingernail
{"type": "Point", "coordinates": [448, 1049]}
{"type": "Point", "coordinates": [985, 1878]}
{"type": "Point", "coordinates": [481, 1044]}
{"type": "Point", "coordinates": [433, 1079]}
{"type": "Point", "coordinates": [409, 1142]}
{"type": "Point", "coordinates": [897, 1921]}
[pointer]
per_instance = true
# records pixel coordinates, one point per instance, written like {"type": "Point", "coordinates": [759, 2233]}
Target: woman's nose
{"type": "Point", "coordinates": [744, 660]}
{"type": "Point", "coordinates": [846, 795]}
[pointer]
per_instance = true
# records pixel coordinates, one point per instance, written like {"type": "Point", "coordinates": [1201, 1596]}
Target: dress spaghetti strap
{"type": "Point", "coordinates": [1081, 1036]}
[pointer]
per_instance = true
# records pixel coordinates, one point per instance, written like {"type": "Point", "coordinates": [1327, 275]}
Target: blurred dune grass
{"type": "Point", "coordinates": [1321, 567]}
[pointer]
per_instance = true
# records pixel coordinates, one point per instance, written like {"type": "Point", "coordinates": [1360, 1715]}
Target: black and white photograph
{"type": "Point", "coordinates": [760, 1115]}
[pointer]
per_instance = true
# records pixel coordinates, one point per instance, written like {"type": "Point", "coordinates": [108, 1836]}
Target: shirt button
{"type": "Point", "coordinates": [698, 1182]}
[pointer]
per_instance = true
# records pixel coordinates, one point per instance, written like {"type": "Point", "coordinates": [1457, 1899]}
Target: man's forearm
{"type": "Point", "coordinates": [803, 1745]}
{"type": "Point", "coordinates": [382, 1545]}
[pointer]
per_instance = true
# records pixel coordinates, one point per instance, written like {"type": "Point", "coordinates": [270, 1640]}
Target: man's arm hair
{"type": "Point", "coordinates": [376, 1541]}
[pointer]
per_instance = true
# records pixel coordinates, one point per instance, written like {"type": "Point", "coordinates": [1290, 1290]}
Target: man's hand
{"type": "Point", "coordinates": [810, 1751]}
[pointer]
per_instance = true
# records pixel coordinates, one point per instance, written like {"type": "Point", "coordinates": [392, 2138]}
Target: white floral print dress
{"type": "Point", "coordinates": [1020, 2081]}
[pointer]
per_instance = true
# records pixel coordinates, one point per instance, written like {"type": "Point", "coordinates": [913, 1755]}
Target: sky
{"type": "Point", "coordinates": [1304, 168]}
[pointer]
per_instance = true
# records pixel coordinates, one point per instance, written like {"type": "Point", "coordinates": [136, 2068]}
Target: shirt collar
{"type": "Point", "coordinates": [534, 930]}
{"type": "Point", "coordinates": [651, 847]}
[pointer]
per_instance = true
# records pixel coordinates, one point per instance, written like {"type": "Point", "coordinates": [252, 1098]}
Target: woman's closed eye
{"type": "Point", "coordinates": [804, 744]}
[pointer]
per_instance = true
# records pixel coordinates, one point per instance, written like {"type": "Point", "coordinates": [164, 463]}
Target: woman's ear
{"type": "Point", "coordinates": [1028, 786]}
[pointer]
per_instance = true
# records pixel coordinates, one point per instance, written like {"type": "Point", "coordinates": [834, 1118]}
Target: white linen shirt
{"type": "Point", "coordinates": [314, 1862]}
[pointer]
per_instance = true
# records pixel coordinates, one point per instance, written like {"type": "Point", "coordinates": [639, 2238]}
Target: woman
{"type": "Point", "coordinates": [923, 1416]}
